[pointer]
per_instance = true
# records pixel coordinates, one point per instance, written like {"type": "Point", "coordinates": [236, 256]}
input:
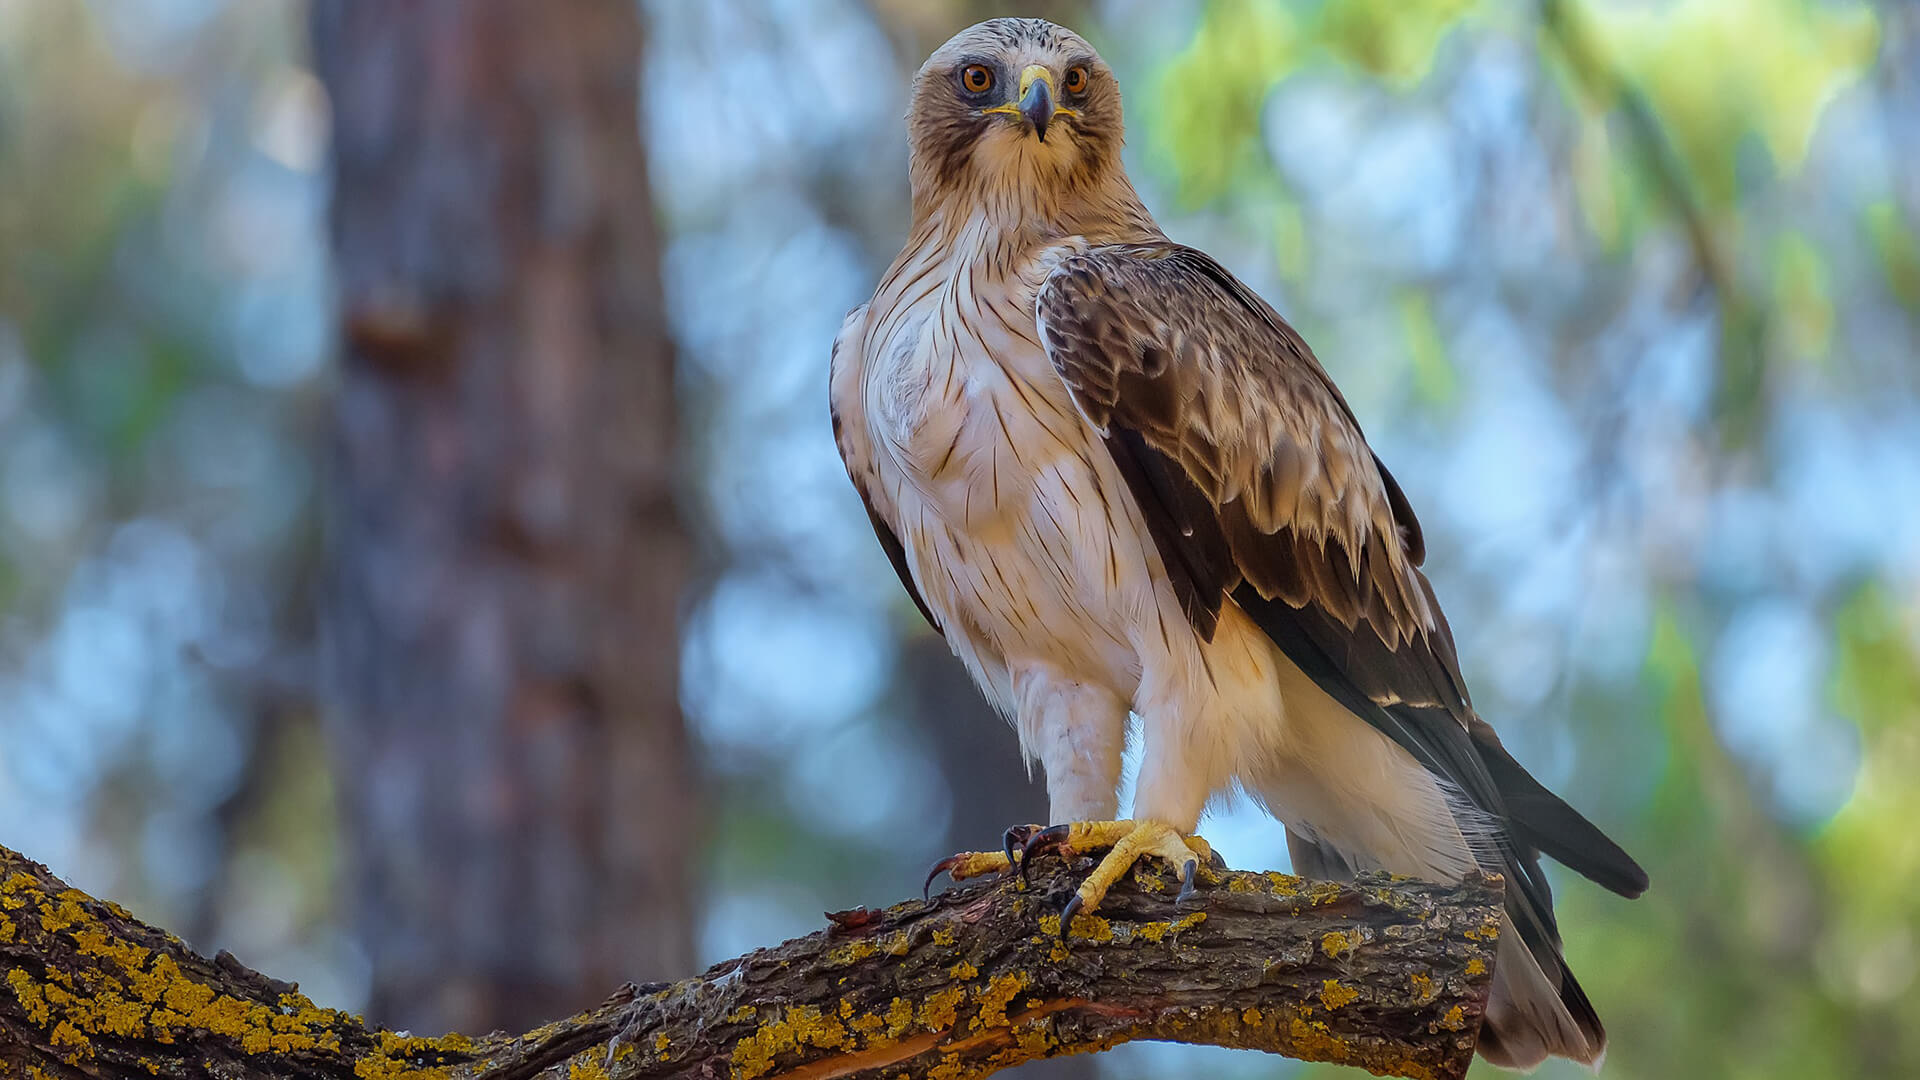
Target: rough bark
{"type": "Point", "coordinates": [1391, 976]}
{"type": "Point", "coordinates": [505, 557]}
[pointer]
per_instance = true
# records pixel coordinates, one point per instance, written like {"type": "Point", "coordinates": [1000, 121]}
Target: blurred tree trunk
{"type": "Point", "coordinates": [505, 556]}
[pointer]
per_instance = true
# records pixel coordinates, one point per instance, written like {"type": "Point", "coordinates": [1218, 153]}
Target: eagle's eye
{"type": "Point", "coordinates": [1076, 80]}
{"type": "Point", "coordinates": [976, 79]}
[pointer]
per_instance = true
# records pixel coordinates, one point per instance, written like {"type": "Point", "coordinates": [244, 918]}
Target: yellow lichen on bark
{"type": "Point", "coordinates": [1157, 932]}
{"type": "Point", "coordinates": [1336, 943]}
{"type": "Point", "coordinates": [793, 1029]}
{"type": "Point", "coordinates": [941, 1008]}
{"type": "Point", "coordinates": [992, 1000]}
{"type": "Point", "coordinates": [412, 1057]}
{"type": "Point", "coordinates": [1333, 995]}
{"type": "Point", "coordinates": [852, 952]}
{"type": "Point", "coordinates": [129, 992]}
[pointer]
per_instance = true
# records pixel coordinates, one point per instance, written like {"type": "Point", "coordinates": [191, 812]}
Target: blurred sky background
{"type": "Point", "coordinates": [1627, 294]}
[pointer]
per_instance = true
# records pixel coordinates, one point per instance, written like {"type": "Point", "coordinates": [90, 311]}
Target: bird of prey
{"type": "Point", "coordinates": [1117, 481]}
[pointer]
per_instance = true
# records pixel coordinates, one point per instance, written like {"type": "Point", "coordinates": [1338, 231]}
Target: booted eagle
{"type": "Point", "coordinates": [1118, 482]}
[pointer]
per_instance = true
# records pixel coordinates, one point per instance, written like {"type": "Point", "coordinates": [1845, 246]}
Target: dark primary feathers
{"type": "Point", "coordinates": [1260, 490]}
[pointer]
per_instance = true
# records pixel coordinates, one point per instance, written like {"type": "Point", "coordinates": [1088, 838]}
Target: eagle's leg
{"type": "Point", "coordinates": [1126, 842]}
{"type": "Point", "coordinates": [967, 864]}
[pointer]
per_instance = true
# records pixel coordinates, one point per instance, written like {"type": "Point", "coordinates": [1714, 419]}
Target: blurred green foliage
{"type": "Point", "coordinates": [1898, 250]}
{"type": "Point", "coordinates": [1206, 113]}
{"type": "Point", "coordinates": [1719, 73]}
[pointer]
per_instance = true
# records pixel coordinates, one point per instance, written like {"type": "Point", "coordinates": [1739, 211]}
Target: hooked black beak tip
{"type": "Point", "coordinates": [1037, 106]}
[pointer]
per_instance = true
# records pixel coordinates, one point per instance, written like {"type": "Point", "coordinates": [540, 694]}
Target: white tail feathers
{"type": "Point", "coordinates": [1526, 1019]}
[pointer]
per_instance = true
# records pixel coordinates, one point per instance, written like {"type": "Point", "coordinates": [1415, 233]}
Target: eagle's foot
{"type": "Point", "coordinates": [1126, 843]}
{"type": "Point", "coordinates": [968, 864]}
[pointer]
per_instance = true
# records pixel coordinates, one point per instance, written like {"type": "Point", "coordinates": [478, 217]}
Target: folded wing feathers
{"type": "Point", "coordinates": [1264, 436]}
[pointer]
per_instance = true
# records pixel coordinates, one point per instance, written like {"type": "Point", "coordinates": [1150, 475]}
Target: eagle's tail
{"type": "Point", "coordinates": [1536, 1009]}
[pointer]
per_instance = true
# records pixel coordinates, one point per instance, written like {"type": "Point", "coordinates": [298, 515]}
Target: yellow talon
{"type": "Point", "coordinates": [968, 864]}
{"type": "Point", "coordinates": [1127, 842]}
{"type": "Point", "coordinates": [975, 863]}
{"type": "Point", "coordinates": [965, 865]}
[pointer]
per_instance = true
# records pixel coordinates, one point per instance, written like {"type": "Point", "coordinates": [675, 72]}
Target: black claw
{"type": "Point", "coordinates": [1215, 862]}
{"type": "Point", "coordinates": [1067, 914]}
{"type": "Point", "coordinates": [1053, 838]}
{"type": "Point", "coordinates": [1189, 874]}
{"type": "Point", "coordinates": [1016, 839]}
{"type": "Point", "coordinates": [941, 867]}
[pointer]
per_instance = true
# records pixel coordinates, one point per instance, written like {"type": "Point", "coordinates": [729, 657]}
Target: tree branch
{"type": "Point", "coordinates": [1391, 976]}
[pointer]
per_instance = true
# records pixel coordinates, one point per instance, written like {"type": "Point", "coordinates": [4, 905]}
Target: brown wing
{"type": "Point", "coordinates": [1231, 435]}
{"type": "Point", "coordinates": [1259, 488]}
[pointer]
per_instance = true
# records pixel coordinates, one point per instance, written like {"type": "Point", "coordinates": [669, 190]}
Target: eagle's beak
{"type": "Point", "coordinates": [1036, 98]}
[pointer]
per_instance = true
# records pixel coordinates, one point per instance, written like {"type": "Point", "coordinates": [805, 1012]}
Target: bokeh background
{"type": "Point", "coordinates": [425, 569]}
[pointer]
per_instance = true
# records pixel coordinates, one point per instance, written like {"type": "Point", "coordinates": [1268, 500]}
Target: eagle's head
{"type": "Point", "coordinates": [1017, 106]}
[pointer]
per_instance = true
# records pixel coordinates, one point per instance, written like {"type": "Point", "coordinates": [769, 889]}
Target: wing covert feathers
{"type": "Point", "coordinates": [1160, 341]}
